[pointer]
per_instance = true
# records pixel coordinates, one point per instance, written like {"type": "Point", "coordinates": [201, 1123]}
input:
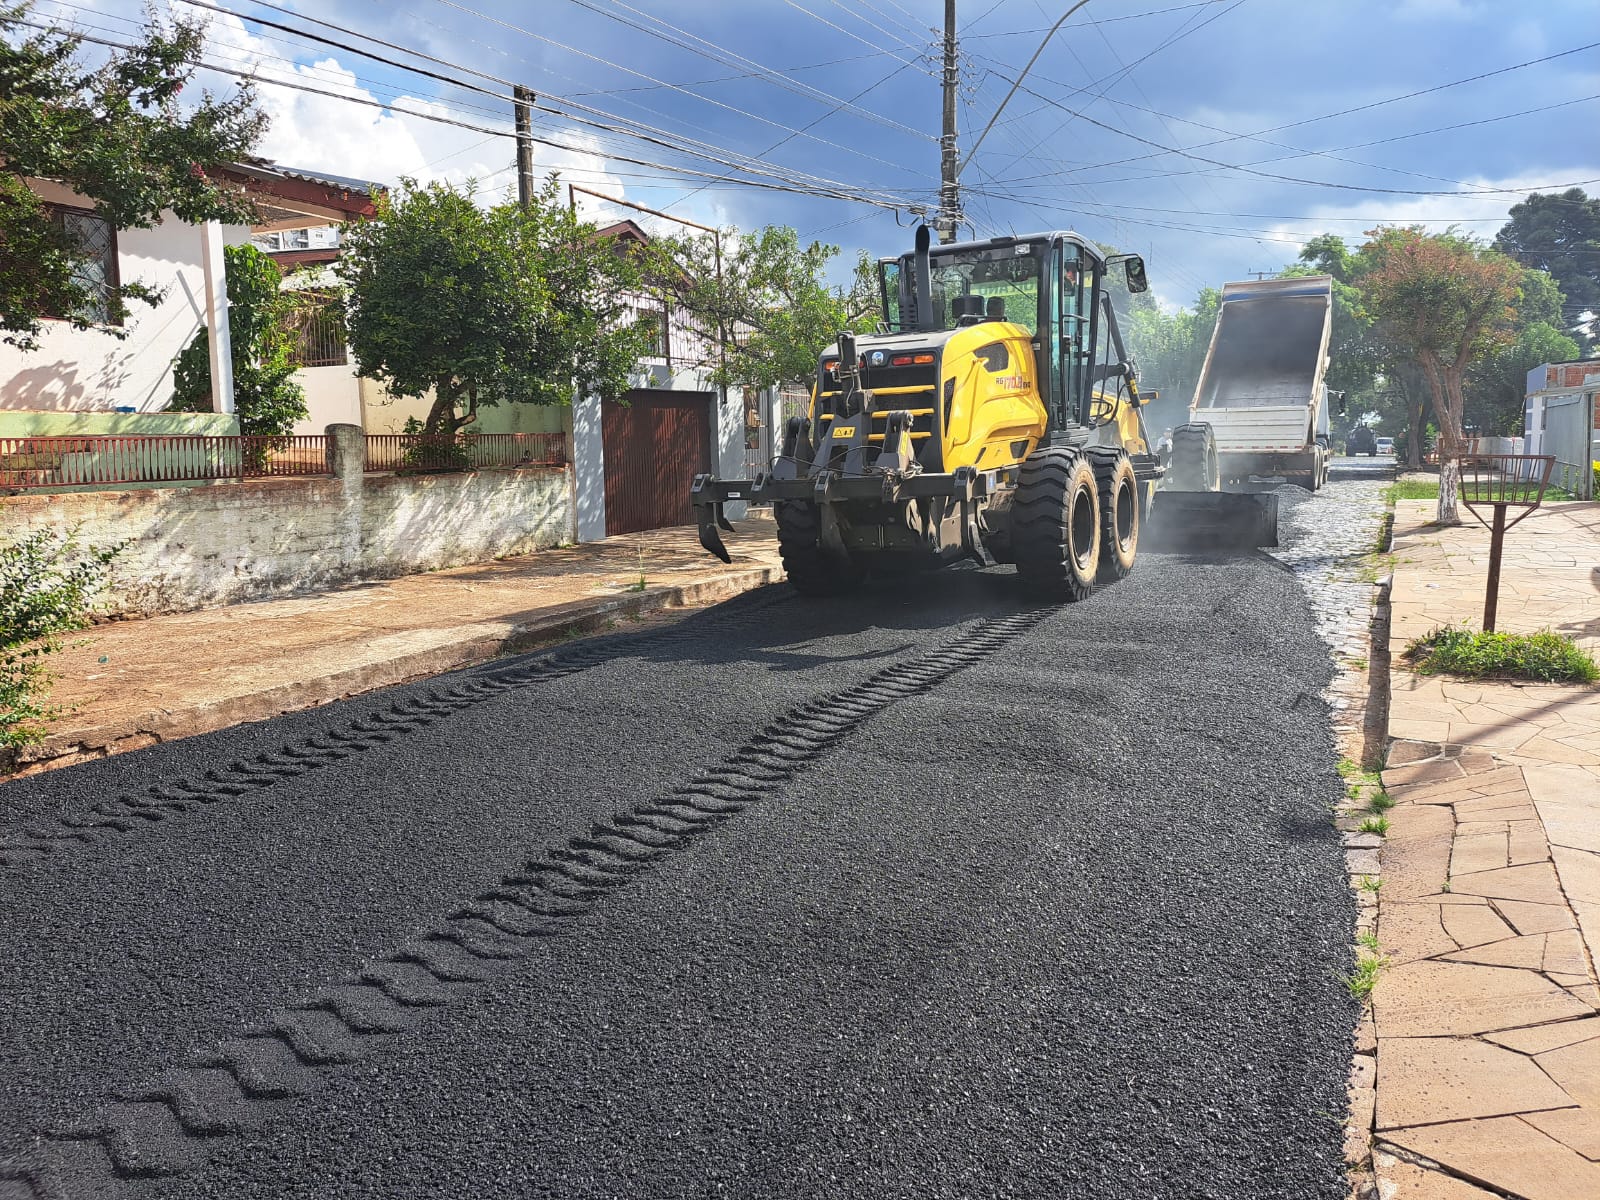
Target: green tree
{"type": "Point", "coordinates": [47, 587]}
{"type": "Point", "coordinates": [116, 134]}
{"type": "Point", "coordinates": [265, 395]}
{"type": "Point", "coordinates": [1444, 301]}
{"type": "Point", "coordinates": [1170, 349]}
{"type": "Point", "coordinates": [1496, 384]}
{"type": "Point", "coordinates": [488, 305]}
{"type": "Point", "coordinates": [1560, 234]}
{"type": "Point", "coordinates": [769, 305]}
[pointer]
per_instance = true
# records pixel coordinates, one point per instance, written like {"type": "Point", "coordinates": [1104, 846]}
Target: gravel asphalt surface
{"type": "Point", "coordinates": [1061, 917]}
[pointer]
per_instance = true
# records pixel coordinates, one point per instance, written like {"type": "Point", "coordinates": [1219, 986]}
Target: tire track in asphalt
{"type": "Point", "coordinates": [174, 1124]}
{"type": "Point", "coordinates": [133, 812]}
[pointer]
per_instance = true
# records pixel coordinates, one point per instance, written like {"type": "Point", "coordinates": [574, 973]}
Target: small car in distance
{"type": "Point", "coordinates": [1385, 445]}
{"type": "Point", "coordinates": [1360, 440]}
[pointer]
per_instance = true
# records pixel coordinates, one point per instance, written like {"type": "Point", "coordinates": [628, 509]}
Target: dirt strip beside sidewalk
{"type": "Point", "coordinates": [1488, 1013]}
{"type": "Point", "coordinates": [129, 684]}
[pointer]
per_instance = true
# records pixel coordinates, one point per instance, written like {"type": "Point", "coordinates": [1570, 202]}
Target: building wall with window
{"type": "Point", "coordinates": [89, 370]}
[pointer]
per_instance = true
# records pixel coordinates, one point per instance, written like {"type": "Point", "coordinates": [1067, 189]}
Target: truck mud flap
{"type": "Point", "coordinates": [1211, 521]}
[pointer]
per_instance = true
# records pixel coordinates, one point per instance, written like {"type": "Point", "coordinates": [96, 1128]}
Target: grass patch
{"type": "Point", "coordinates": [1411, 489]}
{"type": "Point", "coordinates": [1381, 802]}
{"type": "Point", "coordinates": [1372, 883]}
{"type": "Point", "coordinates": [1364, 978]}
{"type": "Point", "coordinates": [1377, 825]}
{"type": "Point", "coordinates": [1545, 657]}
{"type": "Point", "coordinates": [1368, 941]}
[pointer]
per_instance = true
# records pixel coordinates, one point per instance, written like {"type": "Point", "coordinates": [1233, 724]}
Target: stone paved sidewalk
{"type": "Point", "coordinates": [1487, 1017]}
{"type": "Point", "coordinates": [130, 684]}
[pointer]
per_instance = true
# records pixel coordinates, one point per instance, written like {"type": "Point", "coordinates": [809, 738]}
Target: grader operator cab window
{"type": "Point", "coordinates": [1000, 283]}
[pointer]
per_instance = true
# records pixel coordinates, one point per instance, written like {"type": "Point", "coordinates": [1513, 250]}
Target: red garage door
{"type": "Point", "coordinates": [655, 444]}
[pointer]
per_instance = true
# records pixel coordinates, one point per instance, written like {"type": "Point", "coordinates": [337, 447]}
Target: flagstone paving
{"type": "Point", "coordinates": [1487, 1018]}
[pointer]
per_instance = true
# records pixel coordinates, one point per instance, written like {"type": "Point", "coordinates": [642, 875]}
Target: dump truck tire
{"type": "Point", "coordinates": [811, 568]}
{"type": "Point", "coordinates": [1055, 524]}
{"type": "Point", "coordinates": [1194, 466]}
{"type": "Point", "coordinates": [1118, 491]}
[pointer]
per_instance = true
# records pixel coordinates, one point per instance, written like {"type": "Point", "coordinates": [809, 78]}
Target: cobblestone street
{"type": "Point", "coordinates": [1326, 540]}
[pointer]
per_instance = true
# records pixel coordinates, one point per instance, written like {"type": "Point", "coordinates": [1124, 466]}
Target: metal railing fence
{"type": "Point", "coordinates": [44, 463]}
{"type": "Point", "coordinates": [47, 462]}
{"type": "Point", "coordinates": [468, 452]}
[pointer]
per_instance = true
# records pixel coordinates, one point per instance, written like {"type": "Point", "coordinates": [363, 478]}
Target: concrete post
{"type": "Point", "coordinates": [589, 468]}
{"type": "Point", "coordinates": [347, 461]}
{"type": "Point", "coordinates": [218, 335]}
{"type": "Point", "coordinates": [347, 454]}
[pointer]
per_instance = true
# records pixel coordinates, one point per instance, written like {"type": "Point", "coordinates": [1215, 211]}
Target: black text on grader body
{"type": "Point", "coordinates": [996, 417]}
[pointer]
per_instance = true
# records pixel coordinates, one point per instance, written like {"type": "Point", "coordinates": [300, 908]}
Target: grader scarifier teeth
{"type": "Point", "coordinates": [1212, 521]}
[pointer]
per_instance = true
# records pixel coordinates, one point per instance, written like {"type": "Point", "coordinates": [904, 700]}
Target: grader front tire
{"type": "Point", "coordinates": [812, 569]}
{"type": "Point", "coordinates": [1118, 492]}
{"type": "Point", "coordinates": [1055, 531]}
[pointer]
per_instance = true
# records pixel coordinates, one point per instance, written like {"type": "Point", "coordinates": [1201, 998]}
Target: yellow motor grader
{"type": "Point", "coordinates": [994, 416]}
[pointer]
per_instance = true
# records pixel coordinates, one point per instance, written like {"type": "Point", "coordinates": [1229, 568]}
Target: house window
{"type": "Point", "coordinates": [96, 269]}
{"type": "Point", "coordinates": [318, 332]}
{"type": "Point", "coordinates": [657, 319]}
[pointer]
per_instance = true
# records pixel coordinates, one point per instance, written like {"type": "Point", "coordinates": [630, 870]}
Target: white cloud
{"type": "Point", "coordinates": [1481, 215]}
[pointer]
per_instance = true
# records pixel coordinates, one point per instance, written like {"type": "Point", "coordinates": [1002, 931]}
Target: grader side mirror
{"type": "Point", "coordinates": [1132, 271]}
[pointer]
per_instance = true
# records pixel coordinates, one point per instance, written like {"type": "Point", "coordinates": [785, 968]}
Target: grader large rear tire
{"type": "Point", "coordinates": [1055, 524]}
{"type": "Point", "coordinates": [1194, 466]}
{"type": "Point", "coordinates": [1118, 490]}
{"type": "Point", "coordinates": [811, 567]}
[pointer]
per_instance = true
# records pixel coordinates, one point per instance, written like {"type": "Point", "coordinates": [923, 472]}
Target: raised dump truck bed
{"type": "Point", "coordinates": [1261, 389]}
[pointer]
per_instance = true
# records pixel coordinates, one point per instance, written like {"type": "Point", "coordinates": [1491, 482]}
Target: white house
{"type": "Point", "coordinates": [89, 381]}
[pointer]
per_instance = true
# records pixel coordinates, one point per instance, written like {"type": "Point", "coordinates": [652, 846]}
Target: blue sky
{"type": "Point", "coordinates": [1087, 145]}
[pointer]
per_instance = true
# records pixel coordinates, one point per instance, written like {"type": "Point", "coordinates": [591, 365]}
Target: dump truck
{"type": "Point", "coordinates": [1261, 389]}
{"type": "Point", "coordinates": [993, 415]}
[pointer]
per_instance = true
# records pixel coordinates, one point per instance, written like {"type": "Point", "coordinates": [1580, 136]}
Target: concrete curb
{"type": "Point", "coordinates": [558, 624]}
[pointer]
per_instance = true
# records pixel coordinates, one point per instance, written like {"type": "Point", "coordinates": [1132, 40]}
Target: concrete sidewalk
{"type": "Point", "coordinates": [130, 684]}
{"type": "Point", "coordinates": [1488, 1013]}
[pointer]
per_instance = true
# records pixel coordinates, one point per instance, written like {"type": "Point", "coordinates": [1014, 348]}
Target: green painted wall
{"type": "Point", "coordinates": [523, 418]}
{"type": "Point", "coordinates": [114, 424]}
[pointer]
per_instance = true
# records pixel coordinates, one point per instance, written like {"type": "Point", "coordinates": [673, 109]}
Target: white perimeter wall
{"type": "Point", "coordinates": [89, 370]}
{"type": "Point", "coordinates": [202, 546]}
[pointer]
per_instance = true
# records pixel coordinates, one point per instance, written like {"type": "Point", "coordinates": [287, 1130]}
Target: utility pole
{"type": "Point", "coordinates": [523, 96]}
{"type": "Point", "coordinates": [949, 159]}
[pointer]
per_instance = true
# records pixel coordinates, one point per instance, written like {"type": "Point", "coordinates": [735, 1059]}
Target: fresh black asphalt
{"type": "Point", "coordinates": [1067, 924]}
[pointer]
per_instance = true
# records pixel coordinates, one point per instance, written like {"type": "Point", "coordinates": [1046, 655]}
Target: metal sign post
{"type": "Point", "coordinates": [1501, 481]}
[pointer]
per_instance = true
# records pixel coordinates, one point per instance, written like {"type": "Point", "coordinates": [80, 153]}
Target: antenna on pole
{"type": "Point", "coordinates": [949, 157]}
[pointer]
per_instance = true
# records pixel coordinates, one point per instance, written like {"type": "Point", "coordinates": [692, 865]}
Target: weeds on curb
{"type": "Point", "coordinates": [1368, 940]}
{"type": "Point", "coordinates": [1364, 978]}
{"type": "Point", "coordinates": [1381, 802]}
{"type": "Point", "coordinates": [1546, 656]}
{"type": "Point", "coordinates": [1377, 825]}
{"type": "Point", "coordinates": [1371, 883]}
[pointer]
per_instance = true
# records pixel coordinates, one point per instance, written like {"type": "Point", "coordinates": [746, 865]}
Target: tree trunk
{"type": "Point", "coordinates": [443, 411]}
{"type": "Point", "coordinates": [1413, 388]}
{"type": "Point", "coordinates": [1448, 411]}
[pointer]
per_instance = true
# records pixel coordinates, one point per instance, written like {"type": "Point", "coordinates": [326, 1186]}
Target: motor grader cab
{"type": "Point", "coordinates": [994, 415]}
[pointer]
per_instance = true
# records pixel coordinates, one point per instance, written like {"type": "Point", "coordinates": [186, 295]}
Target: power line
{"type": "Point", "coordinates": [1227, 166]}
{"type": "Point", "coordinates": [714, 53]}
{"type": "Point", "coordinates": [1344, 112]}
{"type": "Point", "coordinates": [794, 187]}
{"type": "Point", "coordinates": [205, 4]}
{"type": "Point", "coordinates": [639, 130]}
